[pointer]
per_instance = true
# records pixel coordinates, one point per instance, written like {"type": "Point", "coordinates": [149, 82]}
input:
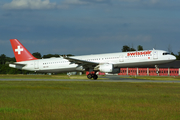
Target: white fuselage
{"type": "Point", "coordinates": [122, 59]}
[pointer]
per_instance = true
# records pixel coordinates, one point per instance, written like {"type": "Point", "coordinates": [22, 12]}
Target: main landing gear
{"type": "Point", "coordinates": [92, 75]}
{"type": "Point", "coordinates": [157, 69]}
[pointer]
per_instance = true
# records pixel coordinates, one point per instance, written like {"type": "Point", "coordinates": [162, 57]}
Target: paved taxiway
{"type": "Point", "coordinates": [111, 78]}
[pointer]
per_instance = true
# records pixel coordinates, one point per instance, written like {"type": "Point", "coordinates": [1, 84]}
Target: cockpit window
{"type": "Point", "coordinates": [166, 53]}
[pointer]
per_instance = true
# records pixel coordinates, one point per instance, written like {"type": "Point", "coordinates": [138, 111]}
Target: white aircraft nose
{"type": "Point", "coordinates": [173, 57]}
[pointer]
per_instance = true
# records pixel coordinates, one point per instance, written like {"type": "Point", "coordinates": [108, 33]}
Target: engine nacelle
{"type": "Point", "coordinates": [80, 68]}
{"type": "Point", "coordinates": [115, 70]}
{"type": "Point", "coordinates": [108, 68]}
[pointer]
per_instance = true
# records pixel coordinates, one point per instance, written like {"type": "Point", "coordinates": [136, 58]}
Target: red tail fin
{"type": "Point", "coordinates": [20, 52]}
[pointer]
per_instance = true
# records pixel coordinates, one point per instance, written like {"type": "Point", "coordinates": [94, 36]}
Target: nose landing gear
{"type": "Point", "coordinates": [157, 69]}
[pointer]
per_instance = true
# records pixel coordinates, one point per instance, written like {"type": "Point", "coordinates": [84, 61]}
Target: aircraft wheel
{"type": "Point", "coordinates": [89, 76]}
{"type": "Point", "coordinates": [95, 77]}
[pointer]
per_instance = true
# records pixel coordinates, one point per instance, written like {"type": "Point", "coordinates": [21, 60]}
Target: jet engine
{"type": "Point", "coordinates": [108, 68]}
{"type": "Point", "coordinates": [80, 68]}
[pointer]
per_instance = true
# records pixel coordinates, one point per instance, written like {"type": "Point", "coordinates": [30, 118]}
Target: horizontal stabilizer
{"type": "Point", "coordinates": [17, 65]}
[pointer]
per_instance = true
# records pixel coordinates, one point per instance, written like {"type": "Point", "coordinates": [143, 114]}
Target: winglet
{"type": "Point", "coordinates": [20, 52]}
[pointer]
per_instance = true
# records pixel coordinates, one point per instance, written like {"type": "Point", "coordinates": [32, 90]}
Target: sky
{"type": "Point", "coordinates": [81, 27]}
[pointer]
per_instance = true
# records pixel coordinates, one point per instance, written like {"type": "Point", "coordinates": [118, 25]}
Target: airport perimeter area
{"type": "Point", "coordinates": [38, 98]}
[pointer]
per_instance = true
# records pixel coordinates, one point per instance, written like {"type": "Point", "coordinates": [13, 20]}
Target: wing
{"type": "Point", "coordinates": [84, 63]}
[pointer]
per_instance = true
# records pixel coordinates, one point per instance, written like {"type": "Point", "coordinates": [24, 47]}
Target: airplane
{"type": "Point", "coordinates": [108, 63]}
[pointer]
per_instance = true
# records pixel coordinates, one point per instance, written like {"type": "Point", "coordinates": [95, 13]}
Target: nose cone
{"type": "Point", "coordinates": [173, 57]}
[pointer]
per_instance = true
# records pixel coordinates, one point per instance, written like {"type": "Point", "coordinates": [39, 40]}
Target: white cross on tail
{"type": "Point", "coordinates": [19, 50]}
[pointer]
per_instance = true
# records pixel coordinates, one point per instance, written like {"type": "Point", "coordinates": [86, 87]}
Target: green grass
{"type": "Point", "coordinates": [21, 76]}
{"type": "Point", "coordinates": [13, 110]}
{"type": "Point", "coordinates": [44, 100]}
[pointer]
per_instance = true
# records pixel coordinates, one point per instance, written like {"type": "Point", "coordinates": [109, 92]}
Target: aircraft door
{"type": "Point", "coordinates": [121, 58]}
{"type": "Point", "coordinates": [36, 64]}
{"type": "Point", "coordinates": [155, 54]}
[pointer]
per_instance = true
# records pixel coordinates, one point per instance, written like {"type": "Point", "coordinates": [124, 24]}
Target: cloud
{"type": "Point", "coordinates": [65, 4]}
{"type": "Point", "coordinates": [86, 2]}
{"type": "Point", "coordinates": [151, 1]}
{"type": "Point", "coordinates": [30, 4]}
{"type": "Point", "coordinates": [127, 3]}
{"type": "Point", "coordinates": [75, 2]}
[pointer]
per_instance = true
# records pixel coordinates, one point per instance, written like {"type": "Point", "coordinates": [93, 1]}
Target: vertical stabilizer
{"type": "Point", "coordinates": [20, 52]}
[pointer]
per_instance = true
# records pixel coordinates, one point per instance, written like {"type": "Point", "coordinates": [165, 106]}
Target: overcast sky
{"type": "Point", "coordinates": [82, 27]}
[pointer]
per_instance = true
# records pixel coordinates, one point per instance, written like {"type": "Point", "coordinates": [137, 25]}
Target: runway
{"type": "Point", "coordinates": [109, 78]}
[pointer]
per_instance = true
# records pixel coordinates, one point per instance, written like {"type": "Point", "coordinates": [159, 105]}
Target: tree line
{"type": "Point", "coordinates": [5, 61]}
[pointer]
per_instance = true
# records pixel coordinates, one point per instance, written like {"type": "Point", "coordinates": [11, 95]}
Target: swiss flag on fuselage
{"type": "Point", "coordinates": [20, 52]}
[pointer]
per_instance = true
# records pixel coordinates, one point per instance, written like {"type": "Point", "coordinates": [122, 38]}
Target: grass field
{"type": "Point", "coordinates": [21, 76]}
{"type": "Point", "coordinates": [53, 100]}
